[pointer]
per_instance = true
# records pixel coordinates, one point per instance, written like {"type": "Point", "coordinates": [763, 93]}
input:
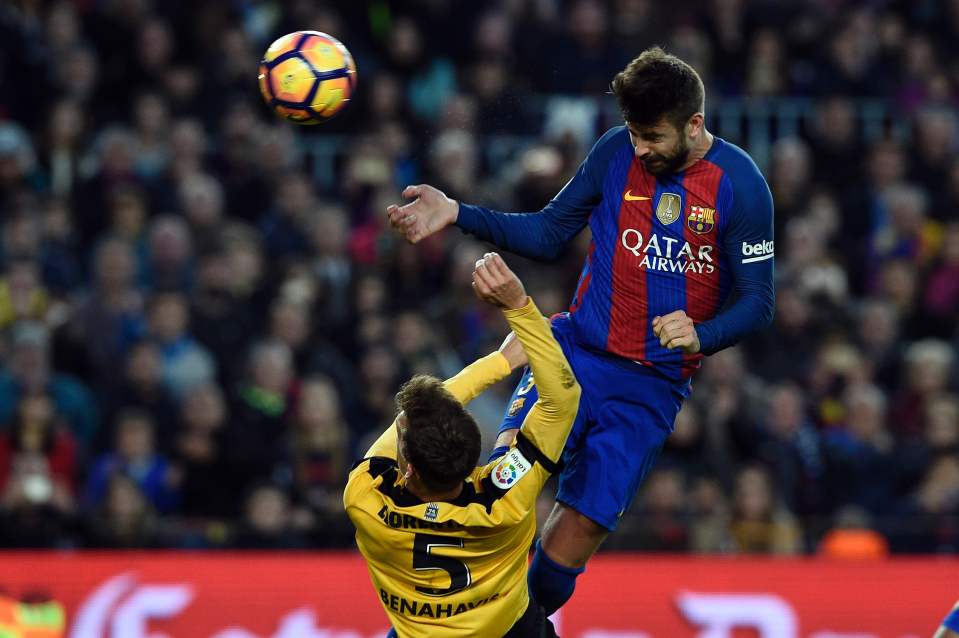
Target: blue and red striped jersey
{"type": "Point", "coordinates": [699, 240]}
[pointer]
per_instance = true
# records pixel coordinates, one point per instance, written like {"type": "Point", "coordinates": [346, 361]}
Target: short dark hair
{"type": "Point", "coordinates": [656, 85]}
{"type": "Point", "coordinates": [442, 441]}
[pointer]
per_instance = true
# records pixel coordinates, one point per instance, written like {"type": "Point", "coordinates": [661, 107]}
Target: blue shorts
{"type": "Point", "coordinates": [626, 411]}
{"type": "Point", "coordinates": [952, 620]}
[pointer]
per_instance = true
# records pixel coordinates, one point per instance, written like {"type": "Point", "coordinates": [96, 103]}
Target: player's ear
{"type": "Point", "coordinates": [695, 124]}
{"type": "Point", "coordinates": [408, 474]}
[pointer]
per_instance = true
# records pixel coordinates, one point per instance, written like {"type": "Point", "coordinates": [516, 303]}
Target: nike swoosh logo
{"type": "Point", "coordinates": [633, 198]}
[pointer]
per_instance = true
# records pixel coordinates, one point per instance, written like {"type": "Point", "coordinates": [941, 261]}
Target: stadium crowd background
{"type": "Point", "coordinates": [204, 316]}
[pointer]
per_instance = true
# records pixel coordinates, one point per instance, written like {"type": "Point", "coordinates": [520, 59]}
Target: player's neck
{"type": "Point", "coordinates": [699, 150]}
{"type": "Point", "coordinates": [420, 491]}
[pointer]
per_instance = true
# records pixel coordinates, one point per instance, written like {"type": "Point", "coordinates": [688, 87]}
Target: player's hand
{"type": "Point", "coordinates": [431, 210]}
{"type": "Point", "coordinates": [496, 284]}
{"type": "Point", "coordinates": [512, 349]}
{"type": "Point", "coordinates": [676, 330]}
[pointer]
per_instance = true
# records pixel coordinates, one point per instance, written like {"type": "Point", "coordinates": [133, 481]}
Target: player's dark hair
{"type": "Point", "coordinates": [442, 441]}
{"type": "Point", "coordinates": [657, 85]}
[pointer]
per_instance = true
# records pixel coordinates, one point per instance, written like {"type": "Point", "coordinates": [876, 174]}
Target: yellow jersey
{"type": "Point", "coordinates": [458, 568]}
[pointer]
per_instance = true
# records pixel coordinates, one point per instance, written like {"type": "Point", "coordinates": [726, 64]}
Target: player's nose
{"type": "Point", "coordinates": [641, 149]}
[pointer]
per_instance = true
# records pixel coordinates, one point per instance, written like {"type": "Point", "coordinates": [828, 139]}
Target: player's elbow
{"type": "Point", "coordinates": [547, 250]}
{"type": "Point", "coordinates": [570, 400]}
{"type": "Point", "coordinates": [767, 310]}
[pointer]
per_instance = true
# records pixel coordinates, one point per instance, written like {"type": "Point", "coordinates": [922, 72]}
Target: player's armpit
{"type": "Point", "coordinates": [476, 377]}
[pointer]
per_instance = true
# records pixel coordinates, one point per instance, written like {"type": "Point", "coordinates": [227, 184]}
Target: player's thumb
{"type": "Point", "coordinates": [413, 191]}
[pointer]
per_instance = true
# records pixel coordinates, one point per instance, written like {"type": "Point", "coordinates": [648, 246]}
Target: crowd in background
{"type": "Point", "coordinates": [201, 326]}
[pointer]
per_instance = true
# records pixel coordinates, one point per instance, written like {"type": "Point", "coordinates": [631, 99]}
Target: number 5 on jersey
{"type": "Point", "coordinates": [424, 559]}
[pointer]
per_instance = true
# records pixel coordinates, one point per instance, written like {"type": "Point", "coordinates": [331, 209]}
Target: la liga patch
{"type": "Point", "coordinates": [510, 469]}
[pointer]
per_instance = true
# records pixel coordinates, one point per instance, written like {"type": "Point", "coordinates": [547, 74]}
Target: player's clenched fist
{"type": "Point", "coordinates": [430, 211]}
{"type": "Point", "coordinates": [676, 330]}
{"type": "Point", "coordinates": [495, 283]}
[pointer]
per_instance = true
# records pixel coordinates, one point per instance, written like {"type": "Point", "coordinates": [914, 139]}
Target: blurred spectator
{"type": "Point", "coordinates": [199, 455]}
{"type": "Point", "coordinates": [834, 141]}
{"type": "Point", "coordinates": [151, 121]}
{"type": "Point", "coordinates": [219, 319]}
{"type": "Point", "coordinates": [28, 371]}
{"type": "Point", "coordinates": [908, 234]}
{"type": "Point", "coordinates": [36, 509]}
{"type": "Point", "coordinates": [267, 521]}
{"type": "Point", "coordinates": [759, 524]}
{"type": "Point", "coordinates": [861, 452]}
{"type": "Point", "coordinates": [140, 386]}
{"type": "Point", "coordinates": [321, 458]}
{"type": "Point", "coordinates": [169, 260]}
{"type": "Point", "coordinates": [201, 198]}
{"type": "Point", "coordinates": [284, 227]}
{"type": "Point", "coordinates": [332, 268]}
{"type": "Point", "coordinates": [185, 362]}
{"type": "Point", "coordinates": [257, 428]}
{"type": "Point", "coordinates": [931, 511]}
{"type": "Point", "coordinates": [110, 316]}
{"type": "Point", "coordinates": [134, 455]}
{"type": "Point", "coordinates": [124, 519]}
{"type": "Point", "coordinates": [659, 522]}
{"type": "Point", "coordinates": [879, 338]}
{"type": "Point", "coordinates": [113, 168]}
{"type": "Point", "coordinates": [929, 367]}
{"type": "Point", "coordinates": [941, 297]}
{"type": "Point", "coordinates": [38, 431]}
{"type": "Point", "coordinates": [22, 295]}
{"type": "Point", "coordinates": [710, 512]}
{"type": "Point", "coordinates": [790, 443]}
{"type": "Point", "coordinates": [61, 156]}
{"type": "Point", "coordinates": [790, 174]}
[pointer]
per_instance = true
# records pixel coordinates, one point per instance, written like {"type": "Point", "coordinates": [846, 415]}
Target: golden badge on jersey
{"type": "Point", "coordinates": [667, 211]}
{"type": "Point", "coordinates": [701, 219]}
{"type": "Point", "coordinates": [516, 406]}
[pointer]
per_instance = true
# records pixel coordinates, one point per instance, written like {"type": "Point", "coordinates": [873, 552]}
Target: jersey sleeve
{"type": "Point", "coordinates": [748, 245]}
{"type": "Point", "coordinates": [543, 234]}
{"type": "Point", "coordinates": [549, 420]}
{"type": "Point", "coordinates": [385, 445]}
{"type": "Point", "coordinates": [465, 386]}
{"type": "Point", "coordinates": [476, 377]}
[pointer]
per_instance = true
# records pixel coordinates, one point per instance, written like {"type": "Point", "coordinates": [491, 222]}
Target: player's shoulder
{"type": "Point", "coordinates": [735, 162]}
{"type": "Point", "coordinates": [367, 472]}
{"type": "Point", "coordinates": [613, 140]}
{"type": "Point", "coordinates": [373, 466]}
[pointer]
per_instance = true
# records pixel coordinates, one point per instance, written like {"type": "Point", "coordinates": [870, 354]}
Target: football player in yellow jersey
{"type": "Point", "coordinates": [447, 542]}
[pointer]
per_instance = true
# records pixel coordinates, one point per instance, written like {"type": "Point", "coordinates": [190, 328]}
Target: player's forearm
{"type": "Point", "coordinates": [534, 235]}
{"type": "Point", "coordinates": [557, 387]}
{"type": "Point", "coordinates": [476, 377]}
{"type": "Point", "coordinates": [749, 313]}
{"type": "Point", "coordinates": [385, 445]}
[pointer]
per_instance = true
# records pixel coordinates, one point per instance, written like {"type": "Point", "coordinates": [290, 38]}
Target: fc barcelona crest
{"type": "Point", "coordinates": [701, 219]}
{"type": "Point", "coordinates": [667, 211]}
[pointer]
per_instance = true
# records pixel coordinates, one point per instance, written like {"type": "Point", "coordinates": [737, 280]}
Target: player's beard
{"type": "Point", "coordinates": [667, 164]}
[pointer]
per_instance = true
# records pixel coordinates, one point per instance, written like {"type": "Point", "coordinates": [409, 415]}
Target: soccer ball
{"type": "Point", "coordinates": [307, 77]}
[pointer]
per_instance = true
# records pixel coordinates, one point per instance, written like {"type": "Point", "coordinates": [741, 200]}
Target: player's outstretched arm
{"type": "Point", "coordinates": [469, 383]}
{"type": "Point", "coordinates": [550, 420]}
{"type": "Point", "coordinates": [540, 235]}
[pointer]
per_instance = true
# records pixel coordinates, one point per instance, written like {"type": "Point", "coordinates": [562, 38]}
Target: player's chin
{"type": "Point", "coordinates": [656, 167]}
